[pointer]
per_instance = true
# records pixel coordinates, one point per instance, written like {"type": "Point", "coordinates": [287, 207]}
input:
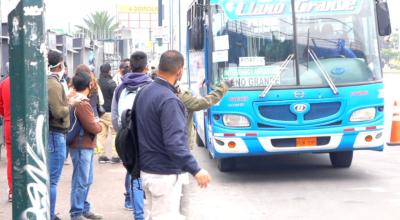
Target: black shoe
{"type": "Point", "coordinates": [91, 215]}
{"type": "Point", "coordinates": [103, 159]}
{"type": "Point", "coordinates": [57, 218]}
{"type": "Point", "coordinates": [9, 197]}
{"type": "Point", "coordinates": [115, 160]}
{"type": "Point", "coordinates": [79, 217]}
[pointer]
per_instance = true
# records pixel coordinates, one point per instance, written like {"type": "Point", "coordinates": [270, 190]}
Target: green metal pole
{"type": "Point", "coordinates": [29, 117]}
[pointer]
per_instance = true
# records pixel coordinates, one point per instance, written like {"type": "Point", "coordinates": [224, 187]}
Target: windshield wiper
{"type": "Point", "coordinates": [281, 69]}
{"type": "Point", "coordinates": [326, 75]}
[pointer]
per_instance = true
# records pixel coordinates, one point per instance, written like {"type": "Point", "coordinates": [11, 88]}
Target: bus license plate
{"type": "Point", "coordinates": [306, 142]}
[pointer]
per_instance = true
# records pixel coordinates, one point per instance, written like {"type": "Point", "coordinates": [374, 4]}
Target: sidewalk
{"type": "Point", "coordinates": [106, 194]}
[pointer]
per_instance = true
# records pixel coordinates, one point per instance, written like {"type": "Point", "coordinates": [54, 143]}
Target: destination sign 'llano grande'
{"type": "Point", "coordinates": [246, 8]}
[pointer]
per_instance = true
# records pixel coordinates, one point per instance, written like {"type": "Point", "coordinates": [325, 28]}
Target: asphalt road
{"type": "Point", "coordinates": [274, 188]}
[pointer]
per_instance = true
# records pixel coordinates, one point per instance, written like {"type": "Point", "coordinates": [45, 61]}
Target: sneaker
{"type": "Point", "coordinates": [57, 218]}
{"type": "Point", "coordinates": [78, 217]}
{"type": "Point", "coordinates": [91, 215]}
{"type": "Point", "coordinates": [10, 197]}
{"type": "Point", "coordinates": [128, 206]}
{"type": "Point", "coordinates": [115, 160]}
{"type": "Point", "coordinates": [103, 159]}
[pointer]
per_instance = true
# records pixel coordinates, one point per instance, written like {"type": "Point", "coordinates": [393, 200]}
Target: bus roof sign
{"type": "Point", "coordinates": [237, 9]}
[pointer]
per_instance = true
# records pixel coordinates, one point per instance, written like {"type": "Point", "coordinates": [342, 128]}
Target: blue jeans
{"type": "Point", "coordinates": [82, 179]}
{"type": "Point", "coordinates": [137, 194]}
{"type": "Point", "coordinates": [56, 151]}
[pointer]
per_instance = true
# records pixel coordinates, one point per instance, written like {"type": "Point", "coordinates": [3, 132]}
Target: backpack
{"type": "Point", "coordinates": [126, 141]}
{"type": "Point", "coordinates": [75, 127]}
{"type": "Point", "coordinates": [126, 98]}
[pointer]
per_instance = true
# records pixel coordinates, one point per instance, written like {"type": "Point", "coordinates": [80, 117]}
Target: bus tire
{"type": "Point", "coordinates": [341, 159]}
{"type": "Point", "coordinates": [199, 142]}
{"type": "Point", "coordinates": [226, 164]}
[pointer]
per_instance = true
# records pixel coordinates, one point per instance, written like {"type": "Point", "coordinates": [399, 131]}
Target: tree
{"type": "Point", "coordinates": [99, 25]}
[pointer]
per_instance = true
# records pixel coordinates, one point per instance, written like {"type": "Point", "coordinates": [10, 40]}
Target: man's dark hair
{"type": "Point", "coordinates": [124, 66]}
{"type": "Point", "coordinates": [82, 68]}
{"type": "Point", "coordinates": [105, 68]}
{"type": "Point", "coordinates": [138, 61]}
{"type": "Point", "coordinates": [81, 81]}
{"type": "Point", "coordinates": [171, 61]}
{"type": "Point", "coordinates": [54, 58]}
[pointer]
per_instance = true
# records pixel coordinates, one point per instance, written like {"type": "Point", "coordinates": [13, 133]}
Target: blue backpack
{"type": "Point", "coordinates": [75, 127]}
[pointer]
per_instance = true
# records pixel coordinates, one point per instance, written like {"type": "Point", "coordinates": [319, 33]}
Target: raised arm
{"type": "Point", "coordinates": [197, 103]}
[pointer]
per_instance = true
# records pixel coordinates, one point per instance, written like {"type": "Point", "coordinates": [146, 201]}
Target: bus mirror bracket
{"type": "Point", "coordinates": [383, 17]}
{"type": "Point", "coordinates": [197, 37]}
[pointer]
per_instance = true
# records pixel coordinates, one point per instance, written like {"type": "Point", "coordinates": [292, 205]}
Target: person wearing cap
{"type": "Point", "coordinates": [5, 112]}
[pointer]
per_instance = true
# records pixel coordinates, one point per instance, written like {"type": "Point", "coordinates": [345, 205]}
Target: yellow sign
{"type": "Point", "coordinates": [136, 9]}
{"type": "Point", "coordinates": [150, 44]}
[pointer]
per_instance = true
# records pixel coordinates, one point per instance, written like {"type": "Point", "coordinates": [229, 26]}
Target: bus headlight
{"type": "Point", "coordinates": [236, 121]}
{"type": "Point", "coordinates": [365, 114]}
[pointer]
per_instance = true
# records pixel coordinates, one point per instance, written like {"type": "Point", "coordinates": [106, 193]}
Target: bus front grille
{"type": "Point", "coordinates": [322, 110]}
{"type": "Point", "coordinates": [277, 113]}
{"type": "Point", "coordinates": [283, 113]}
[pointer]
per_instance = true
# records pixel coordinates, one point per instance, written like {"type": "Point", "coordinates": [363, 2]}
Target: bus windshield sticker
{"type": "Point", "coordinates": [220, 56]}
{"type": "Point", "coordinates": [252, 76]}
{"type": "Point", "coordinates": [252, 61]}
{"type": "Point", "coordinates": [242, 9]}
{"type": "Point", "coordinates": [221, 42]}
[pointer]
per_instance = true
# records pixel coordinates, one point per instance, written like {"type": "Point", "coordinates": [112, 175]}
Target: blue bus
{"type": "Point", "coordinates": [307, 76]}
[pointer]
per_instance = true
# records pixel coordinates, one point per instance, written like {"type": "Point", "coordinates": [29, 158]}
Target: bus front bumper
{"type": "Point", "coordinates": [268, 143]}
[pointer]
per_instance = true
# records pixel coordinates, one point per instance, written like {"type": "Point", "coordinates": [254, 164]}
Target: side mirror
{"type": "Point", "coordinates": [383, 17]}
{"type": "Point", "coordinates": [198, 33]}
{"type": "Point", "coordinates": [197, 23]}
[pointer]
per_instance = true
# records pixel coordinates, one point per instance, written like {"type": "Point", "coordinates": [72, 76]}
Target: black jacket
{"type": "Point", "coordinates": [107, 86]}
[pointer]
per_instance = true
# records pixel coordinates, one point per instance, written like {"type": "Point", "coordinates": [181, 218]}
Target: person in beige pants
{"type": "Point", "coordinates": [107, 86]}
{"type": "Point", "coordinates": [103, 141]}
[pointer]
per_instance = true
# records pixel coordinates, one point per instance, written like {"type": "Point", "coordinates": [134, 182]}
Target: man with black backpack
{"type": "Point", "coordinates": [123, 100]}
{"type": "Point", "coordinates": [164, 155]}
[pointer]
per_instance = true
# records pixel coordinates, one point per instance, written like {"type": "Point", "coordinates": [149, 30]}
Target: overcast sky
{"type": "Point", "coordinates": [65, 13]}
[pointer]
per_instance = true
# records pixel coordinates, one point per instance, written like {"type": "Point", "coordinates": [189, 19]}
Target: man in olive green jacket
{"type": "Point", "coordinates": [196, 103]}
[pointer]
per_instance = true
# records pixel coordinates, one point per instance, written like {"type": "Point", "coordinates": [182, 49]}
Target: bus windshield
{"type": "Point", "coordinates": [254, 42]}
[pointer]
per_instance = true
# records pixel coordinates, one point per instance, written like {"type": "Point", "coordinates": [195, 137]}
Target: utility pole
{"type": "Point", "coordinates": [29, 111]}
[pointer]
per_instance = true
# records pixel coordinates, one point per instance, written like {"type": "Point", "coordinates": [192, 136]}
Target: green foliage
{"type": "Point", "coordinates": [99, 25]}
{"type": "Point", "coordinates": [390, 54]}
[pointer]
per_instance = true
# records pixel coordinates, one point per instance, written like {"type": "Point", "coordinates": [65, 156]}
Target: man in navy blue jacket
{"type": "Point", "coordinates": [163, 152]}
